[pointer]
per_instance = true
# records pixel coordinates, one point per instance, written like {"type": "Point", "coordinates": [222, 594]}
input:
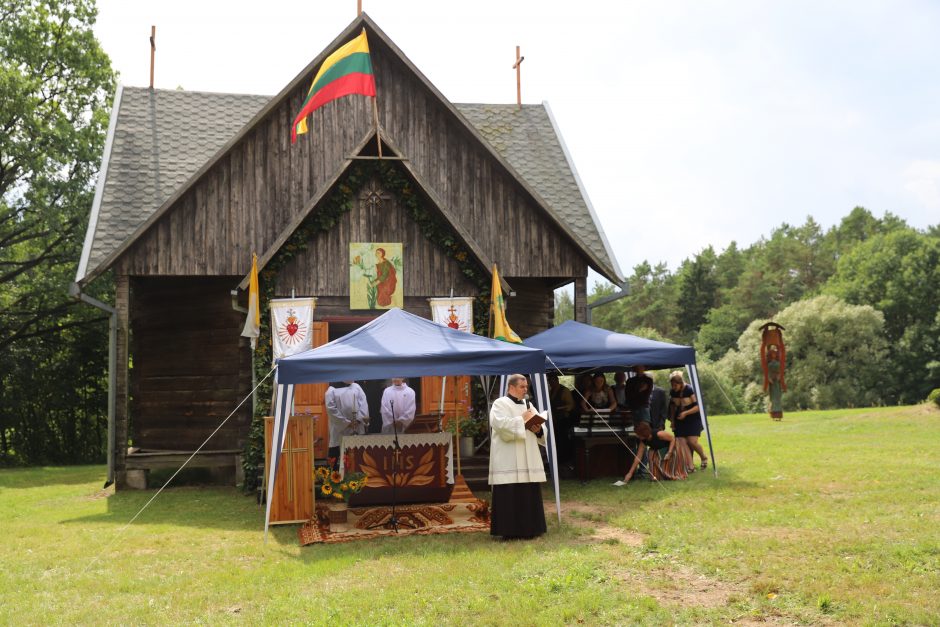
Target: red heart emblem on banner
{"type": "Point", "coordinates": [292, 328]}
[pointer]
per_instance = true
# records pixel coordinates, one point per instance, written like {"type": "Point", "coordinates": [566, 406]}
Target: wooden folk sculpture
{"type": "Point", "coordinates": [773, 360]}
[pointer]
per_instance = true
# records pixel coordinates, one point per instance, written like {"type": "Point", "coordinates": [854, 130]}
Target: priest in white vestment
{"type": "Point", "coordinates": [398, 407]}
{"type": "Point", "coordinates": [516, 468]}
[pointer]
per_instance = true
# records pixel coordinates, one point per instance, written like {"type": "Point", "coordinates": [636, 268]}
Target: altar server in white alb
{"type": "Point", "coordinates": [516, 469]}
{"type": "Point", "coordinates": [348, 410]}
{"type": "Point", "coordinates": [398, 407]}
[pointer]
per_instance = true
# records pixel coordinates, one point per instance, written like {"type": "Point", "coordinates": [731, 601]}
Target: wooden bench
{"type": "Point", "coordinates": [139, 463]}
{"type": "Point", "coordinates": [599, 428]}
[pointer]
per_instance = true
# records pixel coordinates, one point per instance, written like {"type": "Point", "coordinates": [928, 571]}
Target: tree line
{"type": "Point", "coordinates": [859, 302]}
{"type": "Point", "coordinates": [56, 86]}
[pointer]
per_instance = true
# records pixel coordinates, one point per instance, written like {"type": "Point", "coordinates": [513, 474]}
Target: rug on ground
{"type": "Point", "coordinates": [372, 522]}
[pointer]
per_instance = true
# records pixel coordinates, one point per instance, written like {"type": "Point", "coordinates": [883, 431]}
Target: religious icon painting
{"type": "Point", "coordinates": [375, 275]}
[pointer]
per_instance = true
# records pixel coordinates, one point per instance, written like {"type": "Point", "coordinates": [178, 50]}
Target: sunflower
{"type": "Point", "coordinates": [335, 477]}
{"type": "Point", "coordinates": [344, 486]}
{"type": "Point", "coordinates": [327, 489]}
{"type": "Point", "coordinates": [338, 496]}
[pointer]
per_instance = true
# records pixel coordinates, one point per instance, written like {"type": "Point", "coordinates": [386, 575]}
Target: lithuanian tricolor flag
{"type": "Point", "coordinates": [499, 327]}
{"type": "Point", "coordinates": [345, 72]}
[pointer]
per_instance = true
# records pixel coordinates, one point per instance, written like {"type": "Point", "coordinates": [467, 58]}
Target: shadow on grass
{"type": "Point", "coordinates": [226, 509]}
{"type": "Point", "coordinates": [190, 506]}
{"type": "Point", "coordinates": [40, 476]}
{"type": "Point", "coordinates": [602, 490]}
{"type": "Point", "coordinates": [479, 544]}
{"type": "Point", "coordinates": [229, 509]}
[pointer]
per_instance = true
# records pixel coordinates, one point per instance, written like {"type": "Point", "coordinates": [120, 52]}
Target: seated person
{"type": "Point", "coordinates": [600, 396]}
{"type": "Point", "coordinates": [562, 404]}
{"type": "Point", "coordinates": [620, 388]}
{"type": "Point", "coordinates": [398, 407]}
{"type": "Point", "coordinates": [582, 387]}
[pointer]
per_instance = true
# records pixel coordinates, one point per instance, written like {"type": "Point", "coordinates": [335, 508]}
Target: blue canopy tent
{"type": "Point", "coordinates": [400, 344]}
{"type": "Point", "coordinates": [574, 346]}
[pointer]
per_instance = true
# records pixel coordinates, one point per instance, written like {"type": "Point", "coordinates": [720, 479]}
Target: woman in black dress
{"type": "Point", "coordinates": [686, 419]}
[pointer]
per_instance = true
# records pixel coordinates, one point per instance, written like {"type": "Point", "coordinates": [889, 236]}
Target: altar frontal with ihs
{"type": "Point", "coordinates": [420, 471]}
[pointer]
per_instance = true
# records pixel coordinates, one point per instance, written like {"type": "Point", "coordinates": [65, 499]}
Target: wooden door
{"type": "Point", "coordinates": [308, 397]}
{"type": "Point", "coordinates": [456, 396]}
{"type": "Point", "coordinates": [293, 499]}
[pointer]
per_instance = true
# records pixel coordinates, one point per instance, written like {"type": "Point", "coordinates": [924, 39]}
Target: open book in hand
{"type": "Point", "coordinates": [536, 420]}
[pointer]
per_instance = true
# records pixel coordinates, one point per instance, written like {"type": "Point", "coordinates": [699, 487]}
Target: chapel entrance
{"type": "Point", "coordinates": [308, 397]}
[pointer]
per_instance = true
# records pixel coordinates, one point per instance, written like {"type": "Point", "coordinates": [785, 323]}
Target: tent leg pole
{"type": "Point", "coordinates": [693, 372]}
{"type": "Point", "coordinates": [540, 383]}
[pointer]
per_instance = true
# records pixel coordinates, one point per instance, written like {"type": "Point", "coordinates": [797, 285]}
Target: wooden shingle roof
{"type": "Point", "coordinates": [531, 142]}
{"type": "Point", "coordinates": [159, 141]}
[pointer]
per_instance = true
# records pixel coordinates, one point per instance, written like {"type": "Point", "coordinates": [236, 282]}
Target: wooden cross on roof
{"type": "Point", "coordinates": [517, 66]}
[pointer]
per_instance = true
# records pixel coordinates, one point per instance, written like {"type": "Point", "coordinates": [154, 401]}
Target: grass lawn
{"type": "Point", "coordinates": [827, 517]}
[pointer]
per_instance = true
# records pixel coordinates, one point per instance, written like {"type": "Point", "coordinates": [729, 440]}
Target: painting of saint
{"type": "Point", "coordinates": [375, 275]}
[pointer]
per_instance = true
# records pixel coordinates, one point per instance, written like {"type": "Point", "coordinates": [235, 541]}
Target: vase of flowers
{"type": "Point", "coordinates": [336, 488]}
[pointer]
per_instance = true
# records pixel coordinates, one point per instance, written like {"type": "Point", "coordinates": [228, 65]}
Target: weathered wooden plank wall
{"type": "Point", "coordinates": [532, 309]}
{"type": "Point", "coordinates": [323, 269]}
{"type": "Point", "coordinates": [262, 185]}
{"type": "Point", "coordinates": [251, 194]}
{"type": "Point", "coordinates": [503, 219]}
{"type": "Point", "coordinates": [191, 368]}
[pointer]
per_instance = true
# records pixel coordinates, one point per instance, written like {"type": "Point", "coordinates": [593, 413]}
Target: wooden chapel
{"type": "Point", "coordinates": [193, 183]}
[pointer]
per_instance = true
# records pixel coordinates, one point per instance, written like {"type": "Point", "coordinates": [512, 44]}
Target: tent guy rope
{"type": "Point", "coordinates": [173, 476]}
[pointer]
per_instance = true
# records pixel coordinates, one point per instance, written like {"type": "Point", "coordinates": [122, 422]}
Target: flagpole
{"type": "Point", "coordinates": [375, 115]}
{"type": "Point", "coordinates": [489, 332]}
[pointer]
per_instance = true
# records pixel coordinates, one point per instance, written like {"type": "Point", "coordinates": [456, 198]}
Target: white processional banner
{"type": "Point", "coordinates": [456, 313]}
{"type": "Point", "coordinates": [291, 325]}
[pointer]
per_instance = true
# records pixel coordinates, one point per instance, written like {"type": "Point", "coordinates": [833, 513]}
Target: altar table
{"type": "Point", "coordinates": [423, 471]}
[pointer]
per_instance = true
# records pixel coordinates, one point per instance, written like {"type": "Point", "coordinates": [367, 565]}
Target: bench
{"type": "Point", "coordinates": [599, 428]}
{"type": "Point", "coordinates": [139, 462]}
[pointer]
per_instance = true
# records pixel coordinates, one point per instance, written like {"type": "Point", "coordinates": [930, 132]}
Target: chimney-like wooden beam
{"type": "Point", "coordinates": [358, 8]}
{"type": "Point", "coordinates": [153, 49]}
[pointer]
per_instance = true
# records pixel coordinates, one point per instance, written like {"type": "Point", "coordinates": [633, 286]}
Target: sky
{"type": "Point", "coordinates": [690, 123]}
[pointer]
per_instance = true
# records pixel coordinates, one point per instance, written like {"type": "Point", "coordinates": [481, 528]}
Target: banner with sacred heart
{"type": "Point", "coordinates": [291, 325]}
{"type": "Point", "coordinates": [454, 312]}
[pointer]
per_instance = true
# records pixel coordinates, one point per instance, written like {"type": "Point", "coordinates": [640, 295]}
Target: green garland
{"type": "Point", "coordinates": [337, 203]}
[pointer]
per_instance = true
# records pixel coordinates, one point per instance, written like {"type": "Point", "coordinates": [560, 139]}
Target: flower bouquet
{"type": "Point", "coordinates": [334, 485]}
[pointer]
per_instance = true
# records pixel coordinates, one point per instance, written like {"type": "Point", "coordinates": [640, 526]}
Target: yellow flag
{"type": "Point", "coordinates": [500, 327]}
{"type": "Point", "coordinates": [253, 322]}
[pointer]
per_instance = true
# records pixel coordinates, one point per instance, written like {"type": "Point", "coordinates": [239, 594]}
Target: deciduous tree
{"type": "Point", "coordinates": [836, 356]}
{"type": "Point", "coordinates": [55, 86]}
{"type": "Point", "coordinates": [898, 273]}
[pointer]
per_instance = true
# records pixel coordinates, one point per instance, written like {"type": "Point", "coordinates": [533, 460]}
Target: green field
{"type": "Point", "coordinates": [825, 518]}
